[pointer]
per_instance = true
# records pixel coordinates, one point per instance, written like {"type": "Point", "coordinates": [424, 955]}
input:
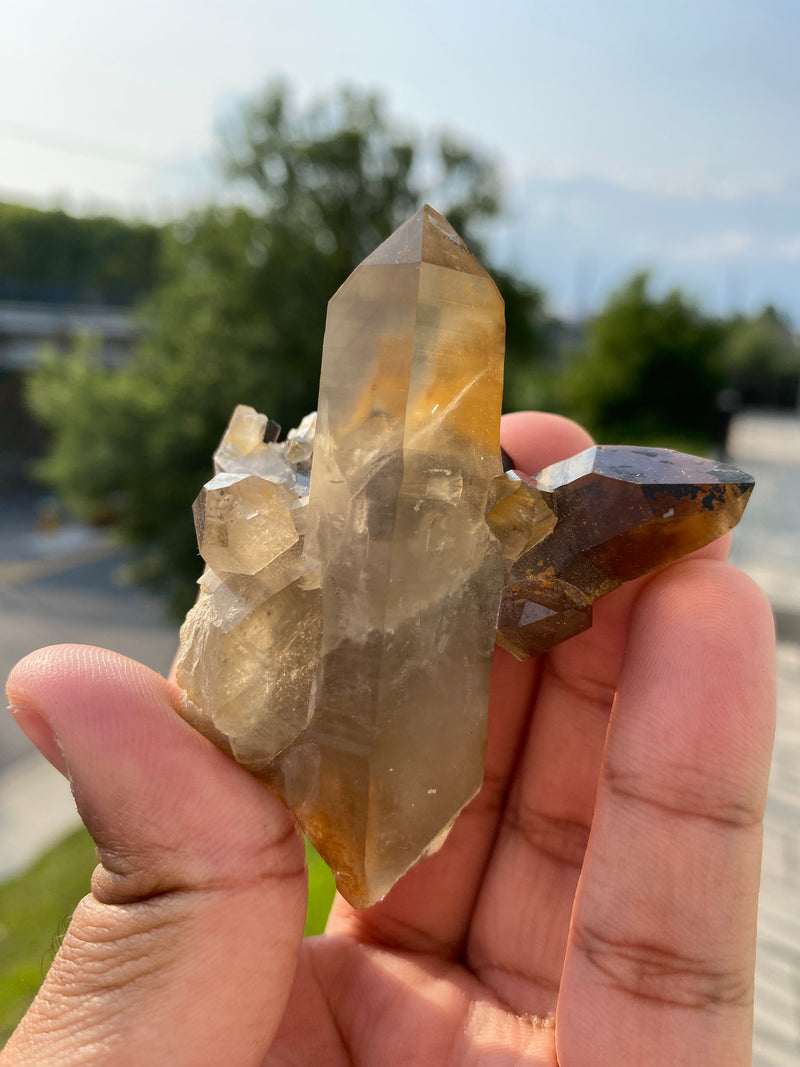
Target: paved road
{"type": "Point", "coordinates": [75, 596]}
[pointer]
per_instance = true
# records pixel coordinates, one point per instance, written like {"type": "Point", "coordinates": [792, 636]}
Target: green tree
{"type": "Point", "coordinates": [535, 345]}
{"type": "Point", "coordinates": [649, 370]}
{"type": "Point", "coordinates": [46, 253]}
{"type": "Point", "coordinates": [761, 359]}
{"type": "Point", "coordinates": [239, 315]}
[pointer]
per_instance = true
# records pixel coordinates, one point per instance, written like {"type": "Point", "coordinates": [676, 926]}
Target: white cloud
{"type": "Point", "coordinates": [790, 249]}
{"type": "Point", "coordinates": [688, 183]}
{"type": "Point", "coordinates": [726, 244]}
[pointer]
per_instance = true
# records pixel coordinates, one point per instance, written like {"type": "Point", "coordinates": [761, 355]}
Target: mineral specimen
{"type": "Point", "coordinates": [582, 527]}
{"type": "Point", "coordinates": [341, 644]}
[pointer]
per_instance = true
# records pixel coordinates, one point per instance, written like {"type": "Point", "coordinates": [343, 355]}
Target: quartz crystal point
{"type": "Point", "coordinates": [358, 573]}
{"type": "Point", "coordinates": [346, 660]}
{"type": "Point", "coordinates": [584, 526]}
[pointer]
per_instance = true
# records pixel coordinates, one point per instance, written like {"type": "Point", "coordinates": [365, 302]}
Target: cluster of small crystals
{"type": "Point", "coordinates": [252, 630]}
{"type": "Point", "coordinates": [342, 641]}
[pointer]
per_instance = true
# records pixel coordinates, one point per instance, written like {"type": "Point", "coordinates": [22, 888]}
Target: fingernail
{"type": "Point", "coordinates": [38, 730]}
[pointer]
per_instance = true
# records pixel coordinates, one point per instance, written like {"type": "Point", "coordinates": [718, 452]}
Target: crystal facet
{"type": "Point", "coordinates": [243, 523]}
{"type": "Point", "coordinates": [603, 517]}
{"type": "Point", "coordinates": [358, 573]}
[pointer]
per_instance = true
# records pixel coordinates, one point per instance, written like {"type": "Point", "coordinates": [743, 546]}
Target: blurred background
{"type": "Point", "coordinates": [182, 188]}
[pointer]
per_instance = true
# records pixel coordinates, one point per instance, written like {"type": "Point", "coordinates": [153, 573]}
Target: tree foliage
{"type": "Point", "coordinates": [762, 359]}
{"type": "Point", "coordinates": [53, 255]}
{"type": "Point", "coordinates": [649, 370]}
{"type": "Point", "coordinates": [239, 314]}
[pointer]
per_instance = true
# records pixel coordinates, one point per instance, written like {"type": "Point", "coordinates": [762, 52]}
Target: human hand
{"type": "Point", "coordinates": [594, 905]}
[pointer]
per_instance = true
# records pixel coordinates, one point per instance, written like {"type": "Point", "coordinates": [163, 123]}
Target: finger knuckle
{"type": "Point", "coordinates": [128, 875]}
{"type": "Point", "coordinates": [557, 838]}
{"type": "Point", "coordinates": [685, 792]}
{"type": "Point", "coordinates": [659, 972]}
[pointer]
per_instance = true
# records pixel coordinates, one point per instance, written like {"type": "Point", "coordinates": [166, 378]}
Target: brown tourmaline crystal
{"type": "Point", "coordinates": [601, 518]}
{"type": "Point", "coordinates": [356, 572]}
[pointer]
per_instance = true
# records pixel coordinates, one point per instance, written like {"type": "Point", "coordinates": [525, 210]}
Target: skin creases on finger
{"type": "Point", "coordinates": [661, 949]}
{"type": "Point", "coordinates": [519, 932]}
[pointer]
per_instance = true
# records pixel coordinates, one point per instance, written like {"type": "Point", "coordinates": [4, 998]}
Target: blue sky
{"type": "Point", "coordinates": [630, 134]}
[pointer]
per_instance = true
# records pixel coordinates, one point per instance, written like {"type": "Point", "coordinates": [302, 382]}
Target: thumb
{"type": "Point", "coordinates": [184, 952]}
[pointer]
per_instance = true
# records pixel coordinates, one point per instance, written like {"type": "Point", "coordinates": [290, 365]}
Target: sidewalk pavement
{"type": "Point", "coordinates": [71, 595]}
{"type": "Point", "coordinates": [776, 1040]}
{"type": "Point", "coordinates": [36, 811]}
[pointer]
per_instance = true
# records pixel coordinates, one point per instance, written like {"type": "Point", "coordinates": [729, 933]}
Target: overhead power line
{"type": "Point", "coordinates": [76, 145]}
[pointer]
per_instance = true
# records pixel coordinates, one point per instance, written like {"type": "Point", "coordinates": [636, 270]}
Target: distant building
{"type": "Point", "coordinates": [26, 328]}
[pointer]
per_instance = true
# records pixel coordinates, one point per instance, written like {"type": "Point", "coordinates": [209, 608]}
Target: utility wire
{"type": "Point", "coordinates": [80, 146]}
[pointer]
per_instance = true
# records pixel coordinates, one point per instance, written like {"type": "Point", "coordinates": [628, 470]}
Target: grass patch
{"type": "Point", "coordinates": [36, 906]}
{"type": "Point", "coordinates": [320, 892]}
{"type": "Point", "coordinates": [35, 909]}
